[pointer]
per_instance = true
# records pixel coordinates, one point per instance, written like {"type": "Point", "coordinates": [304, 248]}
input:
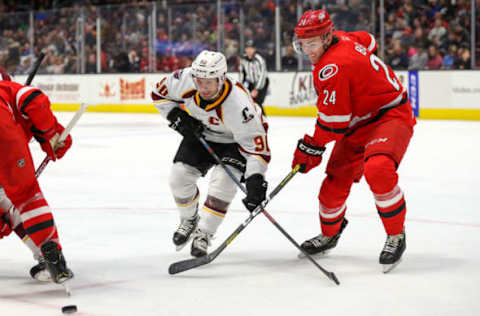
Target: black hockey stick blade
{"type": "Point", "coordinates": [188, 264]}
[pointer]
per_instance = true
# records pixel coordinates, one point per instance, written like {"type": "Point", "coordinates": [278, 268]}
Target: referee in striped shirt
{"type": "Point", "coordinates": [253, 73]}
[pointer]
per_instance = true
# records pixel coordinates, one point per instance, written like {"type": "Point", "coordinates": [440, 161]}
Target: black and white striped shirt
{"type": "Point", "coordinates": [253, 71]}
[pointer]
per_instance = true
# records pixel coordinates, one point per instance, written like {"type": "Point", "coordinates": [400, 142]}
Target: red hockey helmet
{"type": "Point", "coordinates": [313, 23]}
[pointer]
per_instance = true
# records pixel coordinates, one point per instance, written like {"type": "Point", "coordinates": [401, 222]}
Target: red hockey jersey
{"type": "Point", "coordinates": [355, 87]}
{"type": "Point", "coordinates": [28, 105]}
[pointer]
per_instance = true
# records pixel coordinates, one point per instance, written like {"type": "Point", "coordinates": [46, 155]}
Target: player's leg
{"type": "Point", "coordinates": [344, 168]}
{"type": "Point", "coordinates": [183, 185]}
{"type": "Point", "coordinates": [384, 152]}
{"type": "Point", "coordinates": [191, 162]}
{"type": "Point", "coordinates": [17, 176]}
{"type": "Point", "coordinates": [221, 191]}
{"type": "Point", "coordinates": [39, 271]}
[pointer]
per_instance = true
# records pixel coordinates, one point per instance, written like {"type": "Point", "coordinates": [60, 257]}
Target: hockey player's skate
{"type": "Point", "coordinates": [40, 272]}
{"type": "Point", "coordinates": [392, 251]}
{"type": "Point", "coordinates": [322, 244]}
{"type": "Point", "coordinates": [200, 243]}
{"type": "Point", "coordinates": [184, 232]}
{"type": "Point", "coordinates": [55, 263]}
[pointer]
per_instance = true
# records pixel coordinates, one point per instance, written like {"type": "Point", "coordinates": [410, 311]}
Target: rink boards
{"type": "Point", "coordinates": [433, 94]}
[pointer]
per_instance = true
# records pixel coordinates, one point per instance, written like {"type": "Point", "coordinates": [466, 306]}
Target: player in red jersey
{"type": "Point", "coordinates": [363, 107]}
{"type": "Point", "coordinates": [25, 113]}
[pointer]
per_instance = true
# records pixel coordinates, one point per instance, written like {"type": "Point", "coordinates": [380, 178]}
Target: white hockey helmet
{"type": "Point", "coordinates": [210, 64]}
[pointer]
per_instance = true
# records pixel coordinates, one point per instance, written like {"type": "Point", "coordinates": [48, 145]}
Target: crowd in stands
{"type": "Point", "coordinates": [419, 34]}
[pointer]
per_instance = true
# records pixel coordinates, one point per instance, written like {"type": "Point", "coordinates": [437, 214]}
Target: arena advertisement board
{"type": "Point", "coordinates": [433, 94]}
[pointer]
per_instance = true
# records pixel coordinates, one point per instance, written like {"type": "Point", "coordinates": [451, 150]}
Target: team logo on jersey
{"type": "Point", "coordinates": [327, 72]}
{"type": "Point", "coordinates": [246, 115]}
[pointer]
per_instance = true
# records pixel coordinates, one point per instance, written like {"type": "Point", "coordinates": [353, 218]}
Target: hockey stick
{"type": "Point", "coordinates": [34, 69]}
{"type": "Point", "coordinates": [63, 136]}
{"type": "Point", "coordinates": [188, 264]}
{"type": "Point", "coordinates": [260, 208]}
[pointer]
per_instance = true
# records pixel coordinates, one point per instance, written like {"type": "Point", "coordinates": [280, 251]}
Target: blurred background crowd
{"type": "Point", "coordinates": [145, 36]}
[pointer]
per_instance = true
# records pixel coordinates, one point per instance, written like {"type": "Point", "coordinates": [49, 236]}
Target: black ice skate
{"type": "Point", "coordinates": [183, 233]}
{"type": "Point", "coordinates": [322, 244]}
{"type": "Point", "coordinates": [200, 243]}
{"type": "Point", "coordinates": [392, 251]}
{"type": "Point", "coordinates": [40, 272]}
{"type": "Point", "coordinates": [55, 262]}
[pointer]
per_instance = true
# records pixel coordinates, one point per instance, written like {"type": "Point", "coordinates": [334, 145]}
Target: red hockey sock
{"type": "Point", "coordinates": [381, 175]}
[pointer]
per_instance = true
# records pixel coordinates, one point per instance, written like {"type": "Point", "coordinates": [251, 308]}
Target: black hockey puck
{"type": "Point", "coordinates": [69, 309]}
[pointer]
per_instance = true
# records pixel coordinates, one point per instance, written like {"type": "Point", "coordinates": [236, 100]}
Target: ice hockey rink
{"type": "Point", "coordinates": [115, 215]}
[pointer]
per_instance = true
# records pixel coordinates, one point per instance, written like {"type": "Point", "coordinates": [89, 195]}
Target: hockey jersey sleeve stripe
{"type": "Point", "coordinates": [334, 118]}
{"type": "Point", "coordinates": [22, 105]}
{"type": "Point", "coordinates": [331, 129]}
{"type": "Point", "coordinates": [264, 158]}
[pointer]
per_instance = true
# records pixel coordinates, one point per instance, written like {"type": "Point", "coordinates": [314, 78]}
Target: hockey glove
{"type": "Point", "coordinates": [5, 225]}
{"type": "Point", "coordinates": [48, 141]}
{"type": "Point", "coordinates": [308, 155]}
{"type": "Point", "coordinates": [256, 191]}
{"type": "Point", "coordinates": [184, 123]}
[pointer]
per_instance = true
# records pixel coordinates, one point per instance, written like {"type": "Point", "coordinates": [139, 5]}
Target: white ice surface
{"type": "Point", "coordinates": [115, 214]}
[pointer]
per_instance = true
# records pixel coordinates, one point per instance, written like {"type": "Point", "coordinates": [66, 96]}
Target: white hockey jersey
{"type": "Point", "coordinates": [232, 117]}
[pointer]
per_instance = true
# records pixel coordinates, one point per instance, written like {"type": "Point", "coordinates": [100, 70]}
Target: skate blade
{"type": "Point", "coordinates": [43, 276]}
{"type": "Point", "coordinates": [66, 287]}
{"type": "Point", "coordinates": [389, 267]}
{"type": "Point", "coordinates": [180, 247]}
{"type": "Point", "coordinates": [321, 254]}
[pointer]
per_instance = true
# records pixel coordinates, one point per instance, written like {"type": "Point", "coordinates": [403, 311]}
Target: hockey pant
{"type": "Point", "coordinates": [374, 151]}
{"type": "Point", "coordinates": [17, 177]}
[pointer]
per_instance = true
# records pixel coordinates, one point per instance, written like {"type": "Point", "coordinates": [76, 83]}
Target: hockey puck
{"type": "Point", "coordinates": [69, 309]}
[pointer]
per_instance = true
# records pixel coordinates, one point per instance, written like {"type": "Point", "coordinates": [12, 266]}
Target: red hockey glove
{"type": "Point", "coordinates": [48, 141]}
{"type": "Point", "coordinates": [308, 155]}
{"type": "Point", "coordinates": [5, 225]}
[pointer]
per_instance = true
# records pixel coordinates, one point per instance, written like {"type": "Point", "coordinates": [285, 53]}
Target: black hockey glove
{"type": "Point", "coordinates": [184, 123]}
{"type": "Point", "coordinates": [256, 191]}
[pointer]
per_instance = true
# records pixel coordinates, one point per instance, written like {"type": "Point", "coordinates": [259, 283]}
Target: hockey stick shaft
{"type": "Point", "coordinates": [63, 136]}
{"type": "Point", "coordinates": [329, 274]}
{"type": "Point", "coordinates": [34, 69]}
{"type": "Point", "coordinates": [185, 265]}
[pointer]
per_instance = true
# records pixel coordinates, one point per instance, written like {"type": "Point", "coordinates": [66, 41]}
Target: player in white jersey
{"type": "Point", "coordinates": [202, 100]}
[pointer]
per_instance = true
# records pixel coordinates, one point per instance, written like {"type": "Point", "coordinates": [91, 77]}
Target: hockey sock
{"type": "Point", "coordinates": [381, 175]}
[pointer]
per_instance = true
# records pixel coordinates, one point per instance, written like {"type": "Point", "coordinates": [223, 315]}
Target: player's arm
{"type": "Point", "coordinates": [263, 73]}
{"type": "Point", "coordinates": [334, 116]}
{"type": "Point", "coordinates": [34, 105]}
{"type": "Point", "coordinates": [250, 133]}
{"type": "Point", "coordinates": [167, 96]}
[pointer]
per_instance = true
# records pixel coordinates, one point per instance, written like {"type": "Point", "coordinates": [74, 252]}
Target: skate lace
{"type": "Point", "coordinates": [392, 243]}
{"type": "Point", "coordinates": [319, 240]}
{"type": "Point", "coordinates": [202, 239]}
{"type": "Point", "coordinates": [186, 226]}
